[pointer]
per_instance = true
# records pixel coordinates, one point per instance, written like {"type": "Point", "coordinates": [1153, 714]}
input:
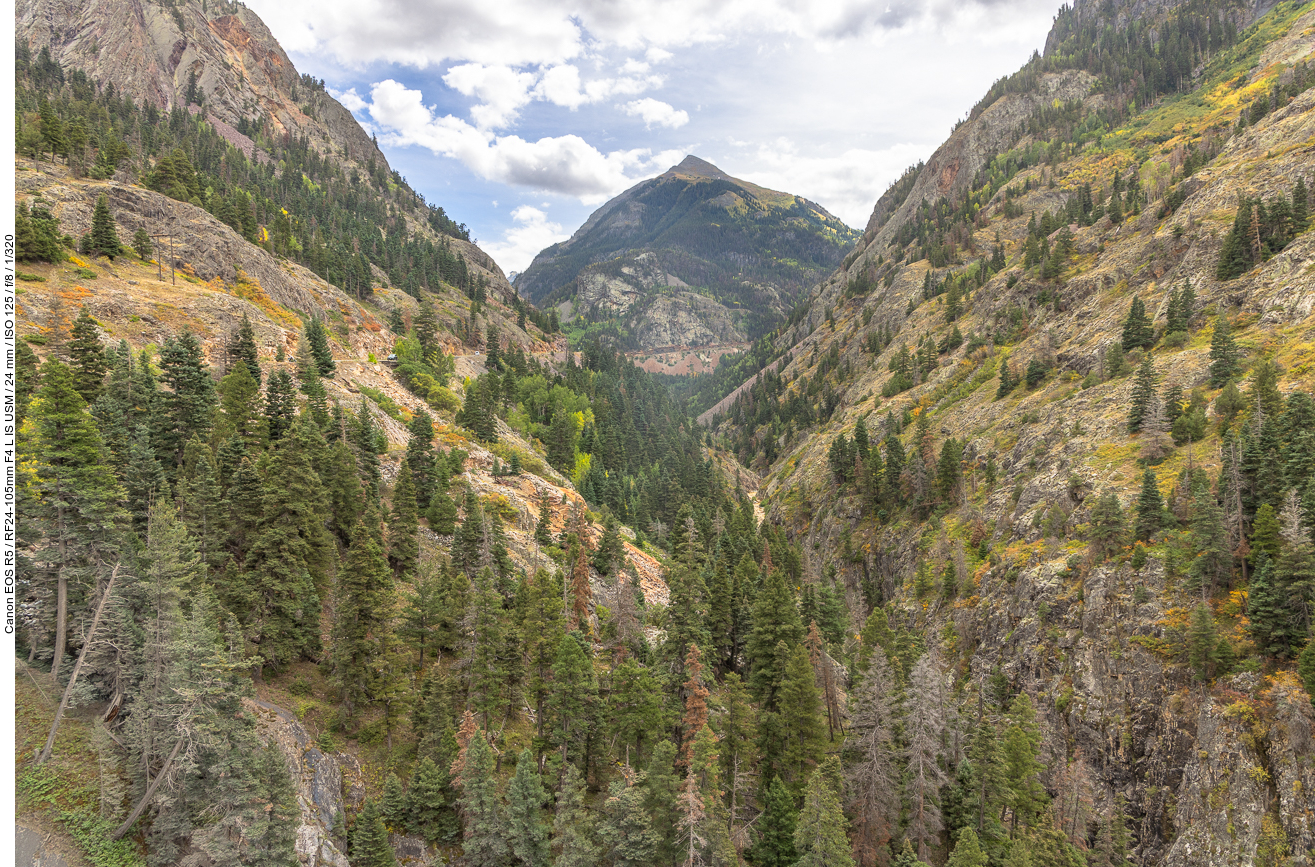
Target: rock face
{"type": "Point", "coordinates": [320, 781]}
{"type": "Point", "coordinates": [152, 52]}
{"type": "Point", "coordinates": [747, 250]}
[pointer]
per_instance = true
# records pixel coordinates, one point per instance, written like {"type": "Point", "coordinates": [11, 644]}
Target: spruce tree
{"type": "Point", "coordinates": [1150, 508]}
{"type": "Point", "coordinates": [404, 525]}
{"type": "Point", "coordinates": [610, 551]}
{"type": "Point", "coordinates": [527, 835]}
{"type": "Point", "coordinates": [775, 620]}
{"type": "Point", "coordinates": [1143, 394]}
{"type": "Point", "coordinates": [430, 801]}
{"type": "Point", "coordinates": [1106, 528]}
{"type": "Point", "coordinates": [573, 827]}
{"type": "Point", "coordinates": [188, 406]}
{"type": "Point", "coordinates": [1022, 742]}
{"type": "Point", "coordinates": [103, 237]}
{"type": "Point", "coordinates": [141, 243]}
{"type": "Point", "coordinates": [775, 846]}
{"type": "Point", "coordinates": [573, 699]}
{"type": "Point", "coordinates": [420, 457]}
{"type": "Point", "coordinates": [280, 405]}
{"type": "Point", "coordinates": [801, 721]}
{"type": "Point", "coordinates": [66, 494]}
{"type": "Point", "coordinates": [1202, 642]}
{"type": "Point", "coordinates": [88, 356]}
{"type": "Point", "coordinates": [393, 804]}
{"type": "Point", "coordinates": [242, 348]}
{"type": "Point", "coordinates": [1138, 332]}
{"type": "Point", "coordinates": [370, 847]}
{"type": "Point", "coordinates": [1225, 362]}
{"type": "Point", "coordinates": [317, 338]}
{"type": "Point", "coordinates": [968, 851]}
{"type": "Point", "coordinates": [484, 839]}
{"type": "Point", "coordinates": [820, 832]}
{"type": "Point", "coordinates": [626, 829]}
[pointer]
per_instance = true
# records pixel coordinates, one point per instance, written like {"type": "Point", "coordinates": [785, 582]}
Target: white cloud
{"type": "Point", "coordinates": [350, 99]}
{"type": "Point", "coordinates": [655, 111]}
{"type": "Point", "coordinates": [502, 91]}
{"type": "Point", "coordinates": [562, 164]}
{"type": "Point", "coordinates": [846, 184]}
{"type": "Point", "coordinates": [424, 33]}
{"type": "Point", "coordinates": [560, 85]}
{"type": "Point", "coordinates": [532, 232]}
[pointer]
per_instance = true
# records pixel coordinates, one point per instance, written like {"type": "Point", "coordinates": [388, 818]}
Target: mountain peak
{"type": "Point", "coordinates": [692, 165]}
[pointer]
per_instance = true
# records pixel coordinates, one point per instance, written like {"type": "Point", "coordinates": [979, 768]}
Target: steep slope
{"type": "Point", "coordinates": [693, 257]}
{"type": "Point", "coordinates": [1018, 250]}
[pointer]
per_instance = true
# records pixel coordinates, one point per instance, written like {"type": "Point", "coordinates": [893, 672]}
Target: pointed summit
{"type": "Point", "coordinates": [692, 166]}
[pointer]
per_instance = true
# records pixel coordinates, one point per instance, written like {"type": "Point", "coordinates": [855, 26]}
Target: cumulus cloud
{"type": "Point", "coordinates": [502, 91]}
{"type": "Point", "coordinates": [562, 85]}
{"type": "Point", "coordinates": [531, 232]}
{"type": "Point", "coordinates": [654, 111]}
{"type": "Point", "coordinates": [848, 184]}
{"type": "Point", "coordinates": [561, 164]}
{"type": "Point", "coordinates": [520, 33]}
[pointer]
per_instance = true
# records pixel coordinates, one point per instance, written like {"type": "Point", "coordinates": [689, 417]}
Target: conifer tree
{"type": "Point", "coordinates": [820, 832]}
{"type": "Point", "coordinates": [1150, 508]}
{"type": "Point", "coordinates": [542, 528]}
{"type": "Point", "coordinates": [775, 846]}
{"type": "Point", "coordinates": [696, 705]}
{"type": "Point", "coordinates": [873, 776]}
{"type": "Point", "coordinates": [242, 348]}
{"type": "Point", "coordinates": [430, 803]}
{"type": "Point", "coordinates": [308, 380]}
{"type": "Point", "coordinates": [393, 804]}
{"type": "Point", "coordinates": [370, 847]}
{"type": "Point", "coordinates": [1270, 622]}
{"type": "Point", "coordinates": [88, 356]}
{"type": "Point", "coordinates": [1022, 741]}
{"type": "Point", "coordinates": [1143, 394]}
{"type": "Point", "coordinates": [289, 556]}
{"type": "Point", "coordinates": [1138, 332]}
{"type": "Point", "coordinates": [968, 851]}
{"type": "Point", "coordinates": [775, 620]}
{"type": "Point", "coordinates": [573, 700]}
{"type": "Point", "coordinates": [403, 525]}
{"type": "Point", "coordinates": [317, 340]}
{"type": "Point", "coordinates": [573, 826]}
{"type": "Point", "coordinates": [610, 550]}
{"type": "Point", "coordinates": [924, 726]}
{"type": "Point", "coordinates": [1225, 362]}
{"type": "Point", "coordinates": [626, 829]}
{"type": "Point", "coordinates": [1202, 642]}
{"type": "Point", "coordinates": [141, 243]}
{"type": "Point", "coordinates": [240, 415]}
{"type": "Point", "coordinates": [187, 407]}
{"type": "Point", "coordinates": [800, 715]}
{"type": "Point", "coordinates": [527, 836]}
{"type": "Point", "coordinates": [1106, 529]}
{"type": "Point", "coordinates": [67, 493]}
{"type": "Point", "coordinates": [484, 838]}
{"type": "Point", "coordinates": [420, 457]}
{"type": "Point", "coordinates": [103, 237]}
{"type": "Point", "coordinates": [280, 405]}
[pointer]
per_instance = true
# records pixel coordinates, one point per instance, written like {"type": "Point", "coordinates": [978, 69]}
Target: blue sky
{"type": "Point", "coordinates": [520, 117]}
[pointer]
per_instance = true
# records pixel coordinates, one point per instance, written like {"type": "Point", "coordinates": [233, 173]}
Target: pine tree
{"type": "Point", "coordinates": [103, 237]}
{"type": "Point", "coordinates": [66, 494]}
{"type": "Point", "coordinates": [404, 524]}
{"type": "Point", "coordinates": [1143, 394]}
{"type": "Point", "coordinates": [626, 828]}
{"type": "Point", "coordinates": [1107, 529]}
{"type": "Point", "coordinates": [88, 356]}
{"type": "Point", "coordinates": [1225, 363]}
{"type": "Point", "coordinates": [573, 830]}
{"type": "Point", "coordinates": [242, 348]}
{"type": "Point", "coordinates": [280, 405]}
{"type": "Point", "coordinates": [820, 833]}
{"type": "Point", "coordinates": [317, 338]}
{"type": "Point", "coordinates": [1150, 508]}
{"type": "Point", "coordinates": [1138, 332]}
{"type": "Point", "coordinates": [430, 803]}
{"type": "Point", "coordinates": [968, 851]}
{"type": "Point", "coordinates": [393, 804]}
{"type": "Point", "coordinates": [775, 846]}
{"type": "Point", "coordinates": [370, 847]}
{"type": "Point", "coordinates": [526, 834]}
{"type": "Point", "coordinates": [484, 840]}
